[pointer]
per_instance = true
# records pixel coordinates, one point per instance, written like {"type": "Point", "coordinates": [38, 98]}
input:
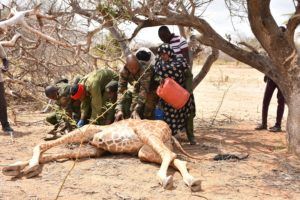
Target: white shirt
{"type": "Point", "coordinates": [178, 44]}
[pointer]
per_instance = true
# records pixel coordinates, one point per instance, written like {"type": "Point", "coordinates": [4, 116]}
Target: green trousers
{"type": "Point", "coordinates": [190, 121]}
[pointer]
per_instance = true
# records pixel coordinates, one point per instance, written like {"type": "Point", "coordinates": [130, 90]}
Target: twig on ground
{"type": "Point", "coordinates": [219, 107]}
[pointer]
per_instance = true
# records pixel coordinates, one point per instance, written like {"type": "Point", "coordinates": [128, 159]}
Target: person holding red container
{"type": "Point", "coordinates": [171, 66]}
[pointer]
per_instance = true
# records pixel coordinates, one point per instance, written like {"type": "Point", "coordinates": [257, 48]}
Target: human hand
{"type": "Point", "coordinates": [80, 123]}
{"type": "Point", "coordinates": [119, 116]}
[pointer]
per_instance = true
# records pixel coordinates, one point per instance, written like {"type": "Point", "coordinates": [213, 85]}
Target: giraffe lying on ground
{"type": "Point", "coordinates": [151, 140]}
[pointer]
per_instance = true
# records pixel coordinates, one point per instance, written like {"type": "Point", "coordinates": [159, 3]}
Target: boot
{"type": "Point", "coordinates": [6, 127]}
{"type": "Point", "coordinates": [275, 129]}
{"type": "Point", "coordinates": [261, 127]}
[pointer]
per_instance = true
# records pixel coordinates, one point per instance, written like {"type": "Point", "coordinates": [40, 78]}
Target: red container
{"type": "Point", "coordinates": [173, 93]}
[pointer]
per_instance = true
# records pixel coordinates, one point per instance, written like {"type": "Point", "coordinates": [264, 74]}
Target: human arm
{"type": "Point", "coordinates": [122, 88]}
{"type": "Point", "coordinates": [140, 90]}
{"type": "Point", "coordinates": [85, 108]}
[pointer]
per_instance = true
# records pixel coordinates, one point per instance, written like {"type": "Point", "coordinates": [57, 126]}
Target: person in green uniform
{"type": "Point", "coordinates": [112, 91]}
{"type": "Point", "coordinates": [90, 90]}
{"type": "Point", "coordinates": [66, 109]}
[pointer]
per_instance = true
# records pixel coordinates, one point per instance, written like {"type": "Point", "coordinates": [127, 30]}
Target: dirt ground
{"type": "Point", "coordinates": [228, 109]}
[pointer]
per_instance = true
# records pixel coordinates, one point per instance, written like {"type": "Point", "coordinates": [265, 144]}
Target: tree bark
{"type": "Point", "coordinates": [206, 67]}
{"type": "Point", "coordinates": [293, 124]}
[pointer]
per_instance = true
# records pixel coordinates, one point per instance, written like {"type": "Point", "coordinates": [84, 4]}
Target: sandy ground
{"type": "Point", "coordinates": [228, 109]}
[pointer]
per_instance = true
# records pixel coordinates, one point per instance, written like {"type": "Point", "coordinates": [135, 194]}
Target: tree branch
{"type": "Point", "coordinates": [206, 67]}
{"type": "Point", "coordinates": [12, 42]}
{"type": "Point", "coordinates": [249, 47]}
{"type": "Point", "coordinates": [293, 22]}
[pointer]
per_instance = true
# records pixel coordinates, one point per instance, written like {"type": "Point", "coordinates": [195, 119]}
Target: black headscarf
{"type": "Point", "coordinates": [174, 59]}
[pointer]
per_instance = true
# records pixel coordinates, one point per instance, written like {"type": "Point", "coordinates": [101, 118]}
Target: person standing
{"type": "Point", "coordinates": [180, 48]}
{"type": "Point", "coordinates": [170, 65]}
{"type": "Point", "coordinates": [270, 88]}
{"type": "Point", "coordinates": [3, 105]}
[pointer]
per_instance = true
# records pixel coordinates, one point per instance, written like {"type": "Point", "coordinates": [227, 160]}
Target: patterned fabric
{"type": "Point", "coordinates": [178, 44]}
{"type": "Point", "coordinates": [140, 90]}
{"type": "Point", "coordinates": [174, 68]}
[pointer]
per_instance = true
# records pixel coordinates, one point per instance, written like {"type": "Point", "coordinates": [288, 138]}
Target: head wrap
{"type": "Point", "coordinates": [77, 91]}
{"type": "Point", "coordinates": [145, 56]}
{"type": "Point", "coordinates": [175, 61]}
{"type": "Point", "coordinates": [165, 48]}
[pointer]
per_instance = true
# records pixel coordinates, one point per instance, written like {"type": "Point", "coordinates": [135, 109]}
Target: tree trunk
{"type": "Point", "coordinates": [293, 124]}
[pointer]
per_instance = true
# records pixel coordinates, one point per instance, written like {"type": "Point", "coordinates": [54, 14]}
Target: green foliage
{"type": "Point", "coordinates": [109, 47]}
{"type": "Point", "coordinates": [113, 8]}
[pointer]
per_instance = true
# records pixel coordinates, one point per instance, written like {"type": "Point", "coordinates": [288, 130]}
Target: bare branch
{"type": "Point", "coordinates": [12, 42]}
{"type": "Point", "coordinates": [249, 47]}
{"type": "Point", "coordinates": [42, 35]}
{"type": "Point", "coordinates": [206, 67]}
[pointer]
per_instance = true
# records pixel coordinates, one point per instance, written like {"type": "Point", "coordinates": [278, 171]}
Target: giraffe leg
{"type": "Point", "coordinates": [79, 135]}
{"type": "Point", "coordinates": [83, 152]}
{"type": "Point", "coordinates": [165, 154]}
{"type": "Point", "coordinates": [148, 155]}
{"type": "Point", "coordinates": [189, 180]}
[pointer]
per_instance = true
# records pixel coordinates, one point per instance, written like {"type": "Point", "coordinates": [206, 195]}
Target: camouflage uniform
{"type": "Point", "coordinates": [97, 100]}
{"type": "Point", "coordinates": [143, 95]}
{"type": "Point", "coordinates": [66, 108]}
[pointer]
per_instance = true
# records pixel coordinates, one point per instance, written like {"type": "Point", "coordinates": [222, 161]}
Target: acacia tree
{"type": "Point", "coordinates": [281, 62]}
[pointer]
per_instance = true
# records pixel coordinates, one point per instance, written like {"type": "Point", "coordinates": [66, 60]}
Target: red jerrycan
{"type": "Point", "coordinates": [173, 93]}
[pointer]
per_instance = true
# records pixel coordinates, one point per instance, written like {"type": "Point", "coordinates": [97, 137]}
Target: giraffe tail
{"type": "Point", "coordinates": [180, 148]}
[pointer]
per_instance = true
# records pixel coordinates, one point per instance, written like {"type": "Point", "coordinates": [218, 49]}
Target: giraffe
{"type": "Point", "coordinates": [151, 140]}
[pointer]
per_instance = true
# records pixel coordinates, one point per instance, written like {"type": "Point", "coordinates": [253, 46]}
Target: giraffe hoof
{"type": "Point", "coordinates": [14, 169]}
{"type": "Point", "coordinates": [168, 183]}
{"type": "Point", "coordinates": [34, 172]}
{"type": "Point", "coordinates": [11, 171]}
{"type": "Point", "coordinates": [195, 185]}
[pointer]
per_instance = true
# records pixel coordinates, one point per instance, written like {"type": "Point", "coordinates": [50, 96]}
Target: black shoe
{"type": "Point", "coordinates": [192, 141]}
{"type": "Point", "coordinates": [7, 129]}
{"type": "Point", "coordinates": [275, 129]}
{"type": "Point", "coordinates": [261, 127]}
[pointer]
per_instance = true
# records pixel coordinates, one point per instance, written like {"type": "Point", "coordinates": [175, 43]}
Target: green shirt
{"type": "Point", "coordinates": [95, 101]}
